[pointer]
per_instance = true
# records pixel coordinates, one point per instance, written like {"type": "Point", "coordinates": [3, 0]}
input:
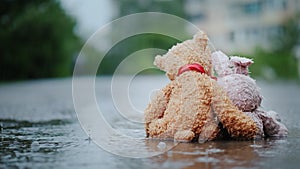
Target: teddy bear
{"type": "Point", "coordinates": [233, 76]}
{"type": "Point", "coordinates": [193, 105]}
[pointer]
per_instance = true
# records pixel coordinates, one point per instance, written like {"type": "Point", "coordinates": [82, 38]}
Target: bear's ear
{"type": "Point", "coordinates": [159, 62]}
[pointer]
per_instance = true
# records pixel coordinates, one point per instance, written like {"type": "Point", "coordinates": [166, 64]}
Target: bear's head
{"type": "Point", "coordinates": [194, 51]}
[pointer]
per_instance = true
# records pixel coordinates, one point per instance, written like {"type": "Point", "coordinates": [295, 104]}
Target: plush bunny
{"type": "Point", "coordinates": [193, 105]}
{"type": "Point", "coordinates": [233, 76]}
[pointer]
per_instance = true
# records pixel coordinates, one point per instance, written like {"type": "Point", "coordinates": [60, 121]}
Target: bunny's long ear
{"type": "Point", "coordinates": [241, 64]}
{"type": "Point", "coordinates": [221, 63]}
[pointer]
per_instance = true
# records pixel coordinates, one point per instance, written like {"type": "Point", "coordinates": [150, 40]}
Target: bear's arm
{"type": "Point", "coordinates": [272, 125]}
{"type": "Point", "coordinates": [158, 104]}
{"type": "Point", "coordinates": [237, 124]}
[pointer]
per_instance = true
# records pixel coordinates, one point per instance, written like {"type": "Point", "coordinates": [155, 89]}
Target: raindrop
{"type": "Point", "coordinates": [161, 145]}
{"type": "Point", "coordinates": [35, 146]}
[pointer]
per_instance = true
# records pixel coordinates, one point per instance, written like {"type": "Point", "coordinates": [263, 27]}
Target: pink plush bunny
{"type": "Point", "coordinates": [232, 74]}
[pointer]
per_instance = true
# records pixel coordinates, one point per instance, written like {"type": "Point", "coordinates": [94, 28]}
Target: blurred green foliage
{"type": "Point", "coordinates": [130, 45]}
{"type": "Point", "coordinates": [280, 60]}
{"type": "Point", "coordinates": [138, 42]}
{"type": "Point", "coordinates": [274, 65]}
{"type": "Point", "coordinates": [37, 40]}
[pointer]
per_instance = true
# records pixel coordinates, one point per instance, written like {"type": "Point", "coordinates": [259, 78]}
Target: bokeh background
{"type": "Point", "coordinates": [42, 38]}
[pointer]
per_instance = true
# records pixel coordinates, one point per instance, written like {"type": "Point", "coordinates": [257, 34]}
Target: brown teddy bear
{"type": "Point", "coordinates": [193, 106]}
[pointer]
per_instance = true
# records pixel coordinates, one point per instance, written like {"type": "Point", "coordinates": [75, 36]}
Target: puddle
{"type": "Point", "coordinates": [40, 130]}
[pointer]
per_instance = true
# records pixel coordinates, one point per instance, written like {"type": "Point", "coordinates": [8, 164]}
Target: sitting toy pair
{"type": "Point", "coordinates": [197, 106]}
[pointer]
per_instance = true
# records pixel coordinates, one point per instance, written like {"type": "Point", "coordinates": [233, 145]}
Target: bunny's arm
{"type": "Point", "coordinates": [272, 124]}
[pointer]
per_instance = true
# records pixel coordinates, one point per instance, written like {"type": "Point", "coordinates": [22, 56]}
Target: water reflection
{"type": "Point", "coordinates": [218, 154]}
{"type": "Point", "coordinates": [24, 142]}
{"type": "Point", "coordinates": [61, 143]}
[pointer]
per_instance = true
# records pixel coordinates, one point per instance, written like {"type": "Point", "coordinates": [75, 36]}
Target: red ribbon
{"type": "Point", "coordinates": [191, 67]}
